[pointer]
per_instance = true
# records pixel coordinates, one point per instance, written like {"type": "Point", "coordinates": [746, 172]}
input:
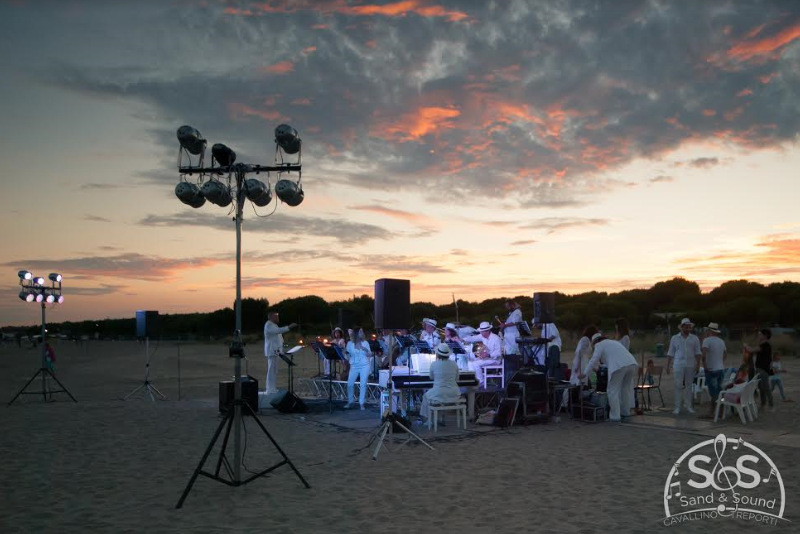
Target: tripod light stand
{"type": "Point", "coordinates": [35, 290]}
{"type": "Point", "coordinates": [236, 188]}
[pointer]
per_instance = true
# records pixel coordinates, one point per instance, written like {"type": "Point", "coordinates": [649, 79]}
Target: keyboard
{"type": "Point", "coordinates": [465, 379]}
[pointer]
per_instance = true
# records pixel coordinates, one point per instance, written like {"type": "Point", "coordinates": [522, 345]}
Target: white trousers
{"type": "Point", "coordinates": [684, 378]}
{"type": "Point", "coordinates": [478, 365]}
{"type": "Point", "coordinates": [271, 385]}
{"type": "Point", "coordinates": [363, 372]}
{"type": "Point", "coordinates": [620, 391]}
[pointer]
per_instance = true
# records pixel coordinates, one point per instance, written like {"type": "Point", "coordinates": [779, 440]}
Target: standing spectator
{"type": "Point", "coordinates": [685, 352]}
{"type": "Point", "coordinates": [50, 356]}
{"type": "Point", "coordinates": [714, 355]}
{"type": "Point", "coordinates": [623, 333]}
{"type": "Point", "coordinates": [763, 364]}
{"type": "Point", "coordinates": [775, 378]}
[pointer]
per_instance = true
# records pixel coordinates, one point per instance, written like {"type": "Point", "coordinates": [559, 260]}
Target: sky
{"type": "Point", "coordinates": [480, 149]}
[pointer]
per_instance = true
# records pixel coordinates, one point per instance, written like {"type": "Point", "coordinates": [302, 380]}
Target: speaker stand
{"type": "Point", "coordinates": [147, 385]}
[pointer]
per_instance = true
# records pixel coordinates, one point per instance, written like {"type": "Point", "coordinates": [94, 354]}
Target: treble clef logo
{"type": "Point", "coordinates": [720, 470]}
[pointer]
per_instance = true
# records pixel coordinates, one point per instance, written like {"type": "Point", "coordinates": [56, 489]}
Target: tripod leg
{"type": "Point", "coordinates": [61, 385]}
{"type": "Point", "coordinates": [134, 391]}
{"type": "Point", "coordinates": [275, 443]}
{"type": "Point", "coordinates": [410, 433]}
{"type": "Point", "coordinates": [157, 392]}
{"type": "Point", "coordinates": [25, 387]}
{"type": "Point", "coordinates": [383, 432]}
{"type": "Point", "coordinates": [199, 467]}
{"type": "Point", "coordinates": [224, 445]}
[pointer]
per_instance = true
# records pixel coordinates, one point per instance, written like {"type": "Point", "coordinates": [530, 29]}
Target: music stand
{"type": "Point", "coordinates": [406, 342]}
{"type": "Point", "coordinates": [375, 347]}
{"type": "Point", "coordinates": [333, 353]}
{"type": "Point", "coordinates": [289, 359]}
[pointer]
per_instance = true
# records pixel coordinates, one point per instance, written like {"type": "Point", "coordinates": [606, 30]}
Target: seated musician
{"type": "Point", "coordinates": [337, 338]}
{"type": "Point", "coordinates": [451, 334]}
{"type": "Point", "coordinates": [490, 354]}
{"type": "Point", "coordinates": [429, 334]}
{"type": "Point", "coordinates": [550, 332]}
{"type": "Point", "coordinates": [389, 354]}
{"type": "Point", "coordinates": [444, 374]}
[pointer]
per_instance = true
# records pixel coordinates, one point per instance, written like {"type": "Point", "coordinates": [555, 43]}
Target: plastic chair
{"type": "Point", "coordinates": [459, 406]}
{"type": "Point", "coordinates": [699, 387]}
{"type": "Point", "coordinates": [743, 405]}
{"type": "Point", "coordinates": [501, 367]}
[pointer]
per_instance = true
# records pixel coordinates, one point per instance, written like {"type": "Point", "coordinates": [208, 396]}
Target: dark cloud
{"type": "Point", "coordinates": [703, 163]}
{"type": "Point", "coordinates": [96, 218]}
{"type": "Point", "coordinates": [101, 187]}
{"type": "Point", "coordinates": [661, 179]}
{"type": "Point", "coordinates": [523, 242]}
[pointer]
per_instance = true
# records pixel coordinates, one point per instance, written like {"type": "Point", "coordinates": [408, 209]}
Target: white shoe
{"type": "Point", "coordinates": [348, 406]}
{"type": "Point", "coordinates": [362, 407]}
{"type": "Point", "coordinates": [677, 410]}
{"type": "Point", "coordinates": [690, 410]}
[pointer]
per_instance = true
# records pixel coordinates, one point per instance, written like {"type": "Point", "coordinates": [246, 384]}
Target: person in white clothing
{"type": "Point", "coordinates": [273, 344]}
{"type": "Point", "coordinates": [358, 354]}
{"type": "Point", "coordinates": [623, 333]}
{"type": "Point", "coordinates": [684, 355]}
{"type": "Point", "coordinates": [553, 359]}
{"type": "Point", "coordinates": [510, 330]}
{"type": "Point", "coordinates": [714, 355]}
{"type": "Point", "coordinates": [491, 354]}
{"type": "Point", "coordinates": [622, 370]}
{"type": "Point", "coordinates": [444, 373]}
{"type": "Point", "coordinates": [583, 352]}
{"type": "Point", "coordinates": [429, 335]}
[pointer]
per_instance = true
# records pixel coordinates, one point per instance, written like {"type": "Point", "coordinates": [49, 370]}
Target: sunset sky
{"type": "Point", "coordinates": [479, 148]}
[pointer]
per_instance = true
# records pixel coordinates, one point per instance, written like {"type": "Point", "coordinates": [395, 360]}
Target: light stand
{"type": "Point", "coordinates": [192, 142]}
{"type": "Point", "coordinates": [33, 289]}
{"type": "Point", "coordinates": [147, 385]}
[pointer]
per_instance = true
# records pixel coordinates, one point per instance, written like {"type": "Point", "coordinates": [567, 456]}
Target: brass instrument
{"type": "Point", "coordinates": [479, 350]}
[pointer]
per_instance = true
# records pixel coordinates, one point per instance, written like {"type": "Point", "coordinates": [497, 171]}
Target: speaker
{"type": "Point", "coordinates": [249, 394]}
{"type": "Point", "coordinates": [289, 403]}
{"type": "Point", "coordinates": [347, 318]}
{"type": "Point", "coordinates": [544, 308]}
{"type": "Point", "coordinates": [146, 323]}
{"type": "Point", "coordinates": [392, 303]}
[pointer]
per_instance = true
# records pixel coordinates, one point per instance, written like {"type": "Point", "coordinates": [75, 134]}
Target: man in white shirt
{"type": "Point", "coordinates": [429, 335]}
{"type": "Point", "coordinates": [622, 371]}
{"type": "Point", "coordinates": [491, 354]}
{"type": "Point", "coordinates": [714, 355]}
{"type": "Point", "coordinates": [553, 360]}
{"type": "Point", "coordinates": [273, 344]}
{"type": "Point", "coordinates": [510, 330]}
{"type": "Point", "coordinates": [685, 352]}
{"type": "Point", "coordinates": [444, 373]}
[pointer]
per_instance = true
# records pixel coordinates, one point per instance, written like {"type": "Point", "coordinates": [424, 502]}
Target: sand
{"type": "Point", "coordinates": [104, 465]}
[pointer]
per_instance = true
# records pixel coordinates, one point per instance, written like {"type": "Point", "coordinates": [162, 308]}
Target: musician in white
{"type": "Point", "coordinates": [451, 335]}
{"type": "Point", "coordinates": [490, 354]}
{"type": "Point", "coordinates": [273, 344]}
{"type": "Point", "coordinates": [622, 371]}
{"type": "Point", "coordinates": [429, 335]}
{"type": "Point", "coordinates": [583, 352]}
{"type": "Point", "coordinates": [444, 373]}
{"type": "Point", "coordinates": [510, 331]}
{"type": "Point", "coordinates": [358, 354]}
{"type": "Point", "coordinates": [550, 332]}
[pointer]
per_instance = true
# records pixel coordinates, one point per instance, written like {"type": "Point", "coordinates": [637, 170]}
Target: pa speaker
{"type": "Point", "coordinates": [392, 303]}
{"type": "Point", "coordinates": [249, 394]}
{"type": "Point", "coordinates": [544, 308]}
{"type": "Point", "coordinates": [146, 323]}
{"type": "Point", "coordinates": [289, 403]}
{"type": "Point", "coordinates": [347, 318]}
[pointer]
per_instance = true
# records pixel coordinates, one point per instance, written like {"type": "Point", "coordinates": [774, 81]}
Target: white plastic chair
{"type": "Point", "coordinates": [459, 406]}
{"type": "Point", "coordinates": [491, 371]}
{"type": "Point", "coordinates": [699, 387]}
{"type": "Point", "coordinates": [745, 404]}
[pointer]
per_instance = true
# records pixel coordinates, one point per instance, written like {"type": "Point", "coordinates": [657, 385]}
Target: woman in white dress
{"type": "Point", "coordinates": [582, 354]}
{"type": "Point", "coordinates": [444, 373]}
{"type": "Point", "coordinates": [358, 355]}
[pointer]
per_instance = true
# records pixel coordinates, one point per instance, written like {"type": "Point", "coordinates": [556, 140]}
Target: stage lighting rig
{"type": "Point", "coordinates": [226, 181]}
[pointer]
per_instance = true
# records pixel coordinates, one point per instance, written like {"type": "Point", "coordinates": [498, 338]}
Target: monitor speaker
{"type": "Point", "coordinates": [289, 403]}
{"type": "Point", "coordinates": [392, 303]}
{"type": "Point", "coordinates": [249, 394]}
{"type": "Point", "coordinates": [544, 308]}
{"type": "Point", "coordinates": [146, 323]}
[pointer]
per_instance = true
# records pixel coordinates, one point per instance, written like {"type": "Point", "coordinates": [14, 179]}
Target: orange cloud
{"type": "Point", "coordinates": [309, 49]}
{"type": "Point", "coordinates": [709, 112]}
{"type": "Point", "coordinates": [417, 124]}
{"type": "Point", "coordinates": [772, 255]}
{"type": "Point", "coordinates": [766, 48]}
{"type": "Point", "coordinates": [392, 9]}
{"type": "Point", "coordinates": [406, 216]}
{"type": "Point", "coordinates": [282, 67]}
{"type": "Point", "coordinates": [745, 92]}
{"type": "Point", "coordinates": [239, 111]}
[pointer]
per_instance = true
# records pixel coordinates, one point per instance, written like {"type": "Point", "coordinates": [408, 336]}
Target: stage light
{"type": "Point", "coordinates": [224, 155]}
{"type": "Point", "coordinates": [55, 277]}
{"type": "Point", "coordinates": [216, 193]}
{"type": "Point", "coordinates": [24, 275]}
{"type": "Point", "coordinates": [39, 297]}
{"type": "Point", "coordinates": [288, 139]}
{"type": "Point", "coordinates": [191, 140]}
{"type": "Point", "coordinates": [189, 194]}
{"type": "Point", "coordinates": [38, 280]}
{"type": "Point", "coordinates": [289, 192]}
{"type": "Point", "coordinates": [258, 192]}
{"type": "Point", "coordinates": [50, 299]}
{"type": "Point", "coordinates": [27, 296]}
{"type": "Point", "coordinates": [60, 299]}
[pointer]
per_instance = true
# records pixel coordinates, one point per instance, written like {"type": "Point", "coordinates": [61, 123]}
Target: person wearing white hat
{"type": "Point", "coordinates": [510, 331]}
{"type": "Point", "coordinates": [492, 353]}
{"type": "Point", "coordinates": [622, 371]}
{"type": "Point", "coordinates": [429, 335]}
{"type": "Point", "coordinates": [685, 352]}
{"type": "Point", "coordinates": [444, 373]}
{"type": "Point", "coordinates": [714, 355]}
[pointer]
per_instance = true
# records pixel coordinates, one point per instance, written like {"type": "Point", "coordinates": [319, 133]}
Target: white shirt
{"type": "Point", "coordinates": [684, 350]}
{"type": "Point", "coordinates": [549, 330]}
{"type": "Point", "coordinates": [626, 342]}
{"type": "Point", "coordinates": [612, 354]}
{"type": "Point", "coordinates": [445, 381]}
{"type": "Point", "coordinates": [582, 352]}
{"type": "Point", "coordinates": [273, 340]}
{"type": "Point", "coordinates": [715, 350]}
{"type": "Point", "coordinates": [358, 356]}
{"type": "Point", "coordinates": [431, 339]}
{"type": "Point", "coordinates": [511, 333]}
{"type": "Point", "coordinates": [493, 344]}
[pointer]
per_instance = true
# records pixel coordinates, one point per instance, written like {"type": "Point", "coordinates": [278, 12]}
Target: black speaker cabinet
{"type": "Point", "coordinates": [249, 394]}
{"type": "Point", "coordinates": [392, 303]}
{"type": "Point", "coordinates": [146, 323]}
{"type": "Point", "coordinates": [289, 403]}
{"type": "Point", "coordinates": [530, 387]}
{"type": "Point", "coordinates": [544, 308]}
{"type": "Point", "coordinates": [347, 318]}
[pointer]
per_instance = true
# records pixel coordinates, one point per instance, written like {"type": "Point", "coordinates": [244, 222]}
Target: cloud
{"type": "Point", "coordinates": [282, 67]}
{"type": "Point", "coordinates": [400, 8]}
{"type": "Point", "coordinates": [96, 218]}
{"type": "Point", "coordinates": [703, 163]}
{"type": "Point", "coordinates": [523, 242]}
{"type": "Point", "coordinates": [662, 179]}
{"type": "Point", "coordinates": [100, 186]}
{"type": "Point", "coordinates": [405, 216]}
{"type": "Point", "coordinates": [771, 255]}
{"type": "Point", "coordinates": [556, 224]}
{"type": "Point", "coordinates": [771, 46]}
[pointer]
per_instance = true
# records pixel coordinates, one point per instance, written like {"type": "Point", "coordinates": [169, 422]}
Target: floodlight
{"type": "Point", "coordinates": [287, 138]}
{"type": "Point", "coordinates": [55, 277]}
{"type": "Point", "coordinates": [38, 280]}
{"type": "Point", "coordinates": [60, 299]}
{"type": "Point", "coordinates": [39, 297]}
{"type": "Point", "coordinates": [189, 194]}
{"type": "Point", "coordinates": [289, 192]}
{"type": "Point", "coordinates": [257, 192]}
{"type": "Point", "coordinates": [224, 155]}
{"type": "Point", "coordinates": [216, 193]}
{"type": "Point", "coordinates": [50, 299]}
{"type": "Point", "coordinates": [27, 296]}
{"type": "Point", "coordinates": [191, 140]}
{"type": "Point", "coordinates": [24, 275]}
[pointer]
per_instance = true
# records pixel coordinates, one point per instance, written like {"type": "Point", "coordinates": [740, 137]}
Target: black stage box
{"type": "Point", "coordinates": [544, 308]}
{"type": "Point", "coordinates": [392, 303]}
{"type": "Point", "coordinates": [249, 393]}
{"type": "Point", "coordinates": [289, 403]}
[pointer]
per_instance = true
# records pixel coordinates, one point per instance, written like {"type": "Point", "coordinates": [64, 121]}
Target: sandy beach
{"type": "Point", "coordinates": [107, 465]}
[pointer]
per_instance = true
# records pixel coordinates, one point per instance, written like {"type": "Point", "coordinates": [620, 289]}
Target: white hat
{"type": "Point", "coordinates": [596, 337]}
{"type": "Point", "coordinates": [686, 320]}
{"type": "Point", "coordinates": [431, 322]}
{"type": "Point", "coordinates": [442, 350]}
{"type": "Point", "coordinates": [484, 326]}
{"type": "Point", "coordinates": [714, 327]}
{"type": "Point", "coordinates": [451, 326]}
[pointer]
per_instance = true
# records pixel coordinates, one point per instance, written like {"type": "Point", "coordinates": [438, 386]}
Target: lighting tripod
{"type": "Point", "coordinates": [147, 385]}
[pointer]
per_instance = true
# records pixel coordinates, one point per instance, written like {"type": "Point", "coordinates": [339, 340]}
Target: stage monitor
{"type": "Point", "coordinates": [392, 303]}
{"type": "Point", "coordinates": [146, 323]}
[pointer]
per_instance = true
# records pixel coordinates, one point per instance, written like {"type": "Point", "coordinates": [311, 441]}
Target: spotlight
{"type": "Point", "coordinates": [39, 297]}
{"type": "Point", "coordinates": [55, 277]}
{"type": "Point", "coordinates": [27, 296]}
{"type": "Point", "coordinates": [60, 299]}
{"type": "Point", "coordinates": [191, 140]}
{"type": "Point", "coordinates": [289, 192]}
{"type": "Point", "coordinates": [50, 299]}
{"type": "Point", "coordinates": [189, 194]}
{"type": "Point", "coordinates": [224, 155]}
{"type": "Point", "coordinates": [38, 280]}
{"type": "Point", "coordinates": [257, 192]}
{"type": "Point", "coordinates": [216, 193]}
{"type": "Point", "coordinates": [287, 138]}
{"type": "Point", "coordinates": [24, 275]}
